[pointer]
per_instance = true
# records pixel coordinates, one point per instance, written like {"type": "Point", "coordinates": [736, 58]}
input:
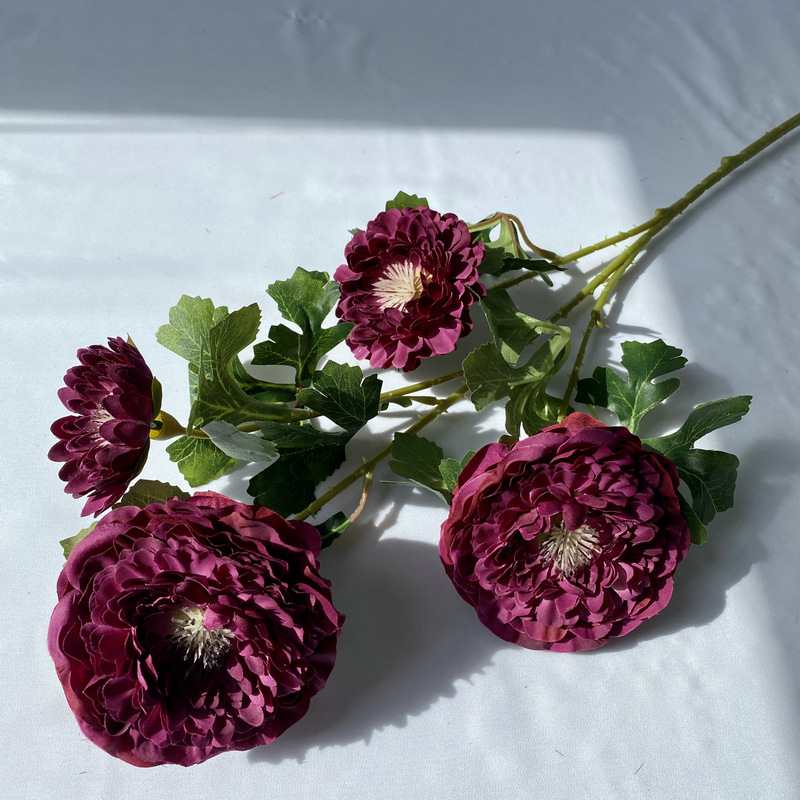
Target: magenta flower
{"type": "Point", "coordinates": [566, 539]}
{"type": "Point", "coordinates": [193, 627]}
{"type": "Point", "coordinates": [104, 444]}
{"type": "Point", "coordinates": [409, 281]}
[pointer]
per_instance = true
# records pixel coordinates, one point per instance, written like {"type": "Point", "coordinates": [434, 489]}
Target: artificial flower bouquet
{"type": "Point", "coordinates": [191, 625]}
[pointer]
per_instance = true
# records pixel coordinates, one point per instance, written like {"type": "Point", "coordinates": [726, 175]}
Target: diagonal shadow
{"type": "Point", "coordinates": [736, 541]}
{"type": "Point", "coordinates": [407, 641]}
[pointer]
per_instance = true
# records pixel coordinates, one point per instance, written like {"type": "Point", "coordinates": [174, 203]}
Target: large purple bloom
{"type": "Point", "coordinates": [568, 538]}
{"type": "Point", "coordinates": [408, 283]}
{"type": "Point", "coordinates": [193, 627]}
{"type": "Point", "coordinates": [104, 444]}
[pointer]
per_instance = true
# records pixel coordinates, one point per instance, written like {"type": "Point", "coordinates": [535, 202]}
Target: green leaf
{"type": "Point", "coordinates": [342, 394]}
{"type": "Point", "coordinates": [239, 445]}
{"type": "Point", "coordinates": [189, 324]}
{"type": "Point", "coordinates": [505, 253]}
{"type": "Point", "coordinates": [332, 528]}
{"type": "Point", "coordinates": [288, 485]}
{"type": "Point", "coordinates": [221, 397]}
{"type": "Point", "coordinates": [631, 399]}
{"type": "Point", "coordinates": [262, 391]}
{"type": "Point", "coordinates": [305, 299]}
{"type": "Point", "coordinates": [496, 262]}
{"type": "Point", "coordinates": [307, 457]}
{"type": "Point", "coordinates": [187, 335]}
{"type": "Point", "coordinates": [298, 437]}
{"type": "Point", "coordinates": [403, 200]}
{"type": "Point", "coordinates": [697, 531]}
{"type": "Point", "coordinates": [704, 419]}
{"type": "Point", "coordinates": [710, 475]}
{"type": "Point", "coordinates": [488, 375]}
{"type": "Point", "coordinates": [451, 468]}
{"type": "Point", "coordinates": [68, 544]}
{"type": "Point", "coordinates": [512, 329]}
{"type": "Point", "coordinates": [490, 378]}
{"type": "Point", "coordinates": [144, 492]}
{"type": "Point", "coordinates": [157, 392]}
{"type": "Point", "coordinates": [711, 478]}
{"type": "Point", "coordinates": [199, 460]}
{"type": "Point", "coordinates": [512, 263]}
{"type": "Point", "coordinates": [418, 459]}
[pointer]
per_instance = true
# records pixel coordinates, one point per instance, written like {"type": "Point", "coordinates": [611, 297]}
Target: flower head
{"type": "Point", "coordinates": [193, 627]}
{"type": "Point", "coordinates": [408, 283]}
{"type": "Point", "coordinates": [104, 443]}
{"type": "Point", "coordinates": [568, 538]}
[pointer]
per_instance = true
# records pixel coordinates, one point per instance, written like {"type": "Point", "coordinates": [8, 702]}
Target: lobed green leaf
{"type": "Point", "coordinates": [305, 300]}
{"type": "Point", "coordinates": [144, 492]}
{"type": "Point", "coordinates": [710, 475]}
{"type": "Point", "coordinates": [490, 377]}
{"type": "Point", "coordinates": [631, 399]}
{"type": "Point", "coordinates": [221, 397]}
{"type": "Point", "coordinates": [288, 485]}
{"type": "Point", "coordinates": [403, 200]}
{"type": "Point", "coordinates": [190, 322]}
{"type": "Point", "coordinates": [342, 394]}
{"type": "Point", "coordinates": [199, 460]}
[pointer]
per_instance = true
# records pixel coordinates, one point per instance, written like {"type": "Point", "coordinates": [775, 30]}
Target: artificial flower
{"type": "Point", "coordinates": [567, 538]}
{"type": "Point", "coordinates": [193, 627]}
{"type": "Point", "coordinates": [104, 443]}
{"type": "Point", "coordinates": [408, 284]}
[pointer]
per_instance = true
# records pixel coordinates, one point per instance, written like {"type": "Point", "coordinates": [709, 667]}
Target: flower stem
{"type": "Point", "coordinates": [663, 216]}
{"type": "Point", "coordinates": [595, 321]}
{"type": "Point", "coordinates": [607, 277]}
{"type": "Point", "coordinates": [369, 465]}
{"type": "Point", "coordinates": [416, 387]}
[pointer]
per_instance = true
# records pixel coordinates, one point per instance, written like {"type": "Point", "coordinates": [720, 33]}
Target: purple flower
{"type": "Point", "coordinates": [409, 281]}
{"type": "Point", "coordinates": [193, 627]}
{"type": "Point", "coordinates": [104, 444]}
{"type": "Point", "coordinates": [568, 538]}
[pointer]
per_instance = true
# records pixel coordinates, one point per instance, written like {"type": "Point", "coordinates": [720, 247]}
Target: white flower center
{"type": "Point", "coordinates": [400, 283]}
{"type": "Point", "coordinates": [570, 549]}
{"type": "Point", "coordinates": [198, 645]}
{"type": "Point", "coordinates": [99, 417]}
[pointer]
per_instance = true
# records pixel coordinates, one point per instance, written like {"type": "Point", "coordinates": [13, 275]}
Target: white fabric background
{"type": "Point", "coordinates": [150, 149]}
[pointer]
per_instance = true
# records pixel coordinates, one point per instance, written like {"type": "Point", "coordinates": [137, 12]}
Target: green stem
{"type": "Point", "coordinates": [369, 466]}
{"type": "Point", "coordinates": [412, 388]}
{"type": "Point", "coordinates": [608, 278]}
{"type": "Point", "coordinates": [607, 242]}
{"type": "Point", "coordinates": [663, 216]}
{"type": "Point", "coordinates": [517, 230]}
{"type": "Point", "coordinates": [618, 266]}
{"type": "Point", "coordinates": [254, 427]}
{"type": "Point", "coordinates": [595, 321]}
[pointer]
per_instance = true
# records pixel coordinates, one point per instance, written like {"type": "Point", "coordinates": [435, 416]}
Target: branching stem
{"type": "Point", "coordinates": [369, 465]}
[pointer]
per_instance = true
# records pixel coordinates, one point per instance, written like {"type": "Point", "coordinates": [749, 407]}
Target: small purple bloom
{"type": "Point", "coordinates": [191, 628]}
{"type": "Point", "coordinates": [568, 538]}
{"type": "Point", "coordinates": [408, 283]}
{"type": "Point", "coordinates": [104, 444]}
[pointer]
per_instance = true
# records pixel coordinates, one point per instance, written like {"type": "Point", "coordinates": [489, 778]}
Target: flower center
{"type": "Point", "coordinates": [569, 549]}
{"type": "Point", "coordinates": [99, 417]}
{"type": "Point", "coordinates": [399, 284]}
{"type": "Point", "coordinates": [199, 646]}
